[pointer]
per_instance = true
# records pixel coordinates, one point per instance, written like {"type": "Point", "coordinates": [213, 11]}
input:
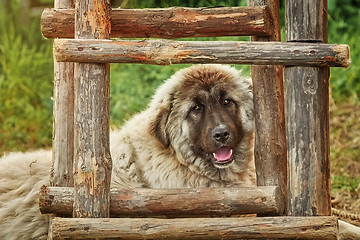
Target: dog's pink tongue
{"type": "Point", "coordinates": [223, 154]}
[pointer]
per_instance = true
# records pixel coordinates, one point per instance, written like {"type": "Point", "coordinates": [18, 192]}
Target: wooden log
{"type": "Point", "coordinates": [168, 22]}
{"type": "Point", "coordinates": [270, 139]}
{"type": "Point", "coordinates": [306, 21]}
{"type": "Point", "coordinates": [307, 120]}
{"type": "Point", "coordinates": [143, 202]}
{"type": "Point", "coordinates": [92, 165]}
{"type": "Point", "coordinates": [162, 52]}
{"type": "Point", "coordinates": [63, 121]}
{"type": "Point", "coordinates": [197, 228]}
{"type": "Point", "coordinates": [307, 116]}
{"type": "Point", "coordinates": [63, 125]}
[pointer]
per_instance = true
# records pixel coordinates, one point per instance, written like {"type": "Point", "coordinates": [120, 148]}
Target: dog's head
{"type": "Point", "coordinates": [205, 113]}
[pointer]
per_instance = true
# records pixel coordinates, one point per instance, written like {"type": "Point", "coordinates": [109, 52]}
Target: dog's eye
{"type": "Point", "coordinates": [226, 101]}
{"type": "Point", "coordinates": [197, 108]}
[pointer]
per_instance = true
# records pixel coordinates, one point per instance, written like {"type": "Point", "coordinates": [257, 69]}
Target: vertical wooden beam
{"type": "Point", "coordinates": [92, 165]}
{"type": "Point", "coordinates": [63, 123]}
{"type": "Point", "coordinates": [307, 115]}
{"type": "Point", "coordinates": [270, 139]}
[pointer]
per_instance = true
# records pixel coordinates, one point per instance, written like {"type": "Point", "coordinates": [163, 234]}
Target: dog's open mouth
{"type": "Point", "coordinates": [223, 157]}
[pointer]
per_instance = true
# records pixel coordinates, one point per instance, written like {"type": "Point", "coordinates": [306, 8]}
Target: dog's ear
{"type": "Point", "coordinates": [158, 127]}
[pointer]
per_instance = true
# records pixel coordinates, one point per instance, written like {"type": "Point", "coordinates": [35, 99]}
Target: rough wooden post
{"type": "Point", "coordinates": [270, 140]}
{"type": "Point", "coordinates": [63, 123]}
{"type": "Point", "coordinates": [307, 115]}
{"type": "Point", "coordinates": [92, 165]}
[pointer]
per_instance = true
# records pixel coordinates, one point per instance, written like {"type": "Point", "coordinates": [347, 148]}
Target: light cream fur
{"type": "Point", "coordinates": [139, 159]}
{"type": "Point", "coordinates": [21, 177]}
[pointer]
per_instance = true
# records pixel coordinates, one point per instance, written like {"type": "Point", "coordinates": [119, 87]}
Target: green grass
{"type": "Point", "coordinates": [345, 183]}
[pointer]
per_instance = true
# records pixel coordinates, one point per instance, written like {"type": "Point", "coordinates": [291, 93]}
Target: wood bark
{"type": "Point", "coordinates": [63, 125]}
{"type": "Point", "coordinates": [307, 115]}
{"type": "Point", "coordinates": [172, 202]}
{"type": "Point", "coordinates": [162, 52]}
{"type": "Point", "coordinates": [63, 122]}
{"type": "Point", "coordinates": [270, 139]}
{"type": "Point", "coordinates": [92, 165]}
{"type": "Point", "coordinates": [168, 23]}
{"type": "Point", "coordinates": [197, 228]}
{"type": "Point", "coordinates": [306, 21]}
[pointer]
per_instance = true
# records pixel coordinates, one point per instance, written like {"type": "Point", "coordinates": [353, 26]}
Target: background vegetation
{"type": "Point", "coordinates": [26, 76]}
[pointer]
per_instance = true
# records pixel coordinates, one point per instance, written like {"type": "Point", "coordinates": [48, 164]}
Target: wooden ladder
{"type": "Point", "coordinates": [291, 154]}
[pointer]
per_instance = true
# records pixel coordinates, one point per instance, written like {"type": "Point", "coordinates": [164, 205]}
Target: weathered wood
{"type": "Point", "coordinates": [168, 22]}
{"type": "Point", "coordinates": [305, 21]}
{"type": "Point", "coordinates": [197, 228]}
{"type": "Point", "coordinates": [307, 116]}
{"type": "Point", "coordinates": [164, 52]}
{"type": "Point", "coordinates": [270, 139]}
{"type": "Point", "coordinates": [143, 202]}
{"type": "Point", "coordinates": [92, 165]}
{"type": "Point", "coordinates": [63, 125]}
{"type": "Point", "coordinates": [63, 121]}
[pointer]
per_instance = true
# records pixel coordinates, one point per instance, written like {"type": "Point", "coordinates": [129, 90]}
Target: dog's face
{"type": "Point", "coordinates": [212, 115]}
{"type": "Point", "coordinates": [207, 118]}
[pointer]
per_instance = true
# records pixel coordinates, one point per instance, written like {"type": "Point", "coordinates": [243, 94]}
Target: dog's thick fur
{"type": "Point", "coordinates": [170, 144]}
{"type": "Point", "coordinates": [197, 132]}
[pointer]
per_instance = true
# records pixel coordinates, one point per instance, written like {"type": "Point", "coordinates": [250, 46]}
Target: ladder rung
{"type": "Point", "coordinates": [163, 52]}
{"type": "Point", "coordinates": [197, 202]}
{"type": "Point", "coordinates": [168, 22]}
{"type": "Point", "coordinates": [196, 228]}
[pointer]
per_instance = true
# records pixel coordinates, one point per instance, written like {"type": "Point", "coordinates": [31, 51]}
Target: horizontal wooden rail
{"type": "Point", "coordinates": [168, 22]}
{"type": "Point", "coordinates": [196, 228]}
{"type": "Point", "coordinates": [143, 202]}
{"type": "Point", "coordinates": [163, 52]}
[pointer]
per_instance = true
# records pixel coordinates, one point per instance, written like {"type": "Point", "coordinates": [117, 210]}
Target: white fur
{"type": "Point", "coordinates": [21, 177]}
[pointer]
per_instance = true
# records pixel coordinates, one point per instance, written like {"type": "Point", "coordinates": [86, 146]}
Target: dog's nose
{"type": "Point", "coordinates": [221, 133]}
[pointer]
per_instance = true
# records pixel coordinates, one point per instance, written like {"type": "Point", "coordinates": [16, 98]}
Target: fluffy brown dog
{"type": "Point", "coordinates": [197, 132]}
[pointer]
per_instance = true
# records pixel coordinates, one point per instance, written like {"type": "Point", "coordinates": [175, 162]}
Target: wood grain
{"type": "Point", "coordinates": [197, 228]}
{"type": "Point", "coordinates": [163, 52]}
{"type": "Point", "coordinates": [270, 140]}
{"type": "Point", "coordinates": [63, 121]}
{"type": "Point", "coordinates": [92, 163]}
{"type": "Point", "coordinates": [141, 202]}
{"type": "Point", "coordinates": [307, 115]}
{"type": "Point", "coordinates": [168, 22]}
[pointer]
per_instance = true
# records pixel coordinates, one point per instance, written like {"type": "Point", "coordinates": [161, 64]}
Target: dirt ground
{"type": "Point", "coordinates": [345, 160]}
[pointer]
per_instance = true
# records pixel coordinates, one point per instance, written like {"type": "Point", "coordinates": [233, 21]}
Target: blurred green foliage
{"type": "Point", "coordinates": [26, 69]}
{"type": "Point", "coordinates": [26, 72]}
{"type": "Point", "coordinates": [346, 183]}
{"type": "Point", "coordinates": [344, 27]}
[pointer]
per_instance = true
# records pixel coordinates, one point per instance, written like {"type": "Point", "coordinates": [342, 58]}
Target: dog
{"type": "Point", "coordinates": [198, 131]}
